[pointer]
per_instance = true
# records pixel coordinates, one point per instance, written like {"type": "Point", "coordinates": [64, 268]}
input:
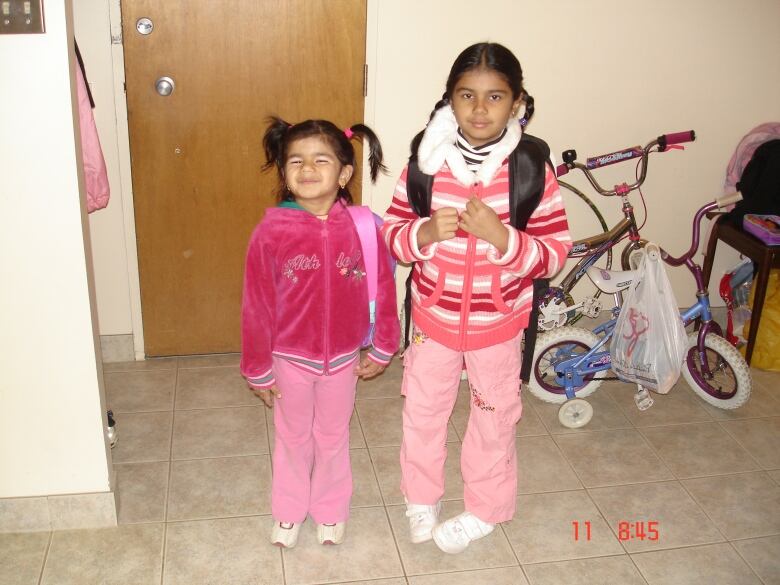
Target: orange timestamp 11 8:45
{"type": "Point", "coordinates": [636, 530]}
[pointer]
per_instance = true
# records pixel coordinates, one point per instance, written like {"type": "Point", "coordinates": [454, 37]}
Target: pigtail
{"type": "Point", "coordinates": [415, 144]}
{"type": "Point", "coordinates": [273, 142]}
{"type": "Point", "coordinates": [375, 155]}
{"type": "Point", "coordinates": [529, 108]}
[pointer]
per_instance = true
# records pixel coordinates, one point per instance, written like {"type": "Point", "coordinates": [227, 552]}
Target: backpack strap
{"type": "Point", "coordinates": [364, 221]}
{"type": "Point", "coordinates": [527, 169]}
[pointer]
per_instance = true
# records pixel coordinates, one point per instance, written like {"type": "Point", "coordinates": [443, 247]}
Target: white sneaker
{"type": "Point", "coordinates": [454, 535]}
{"type": "Point", "coordinates": [422, 519]}
{"type": "Point", "coordinates": [285, 534]}
{"type": "Point", "coordinates": [331, 533]}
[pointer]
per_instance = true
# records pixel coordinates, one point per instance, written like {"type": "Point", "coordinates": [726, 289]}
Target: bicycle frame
{"type": "Point", "coordinates": [572, 372]}
{"type": "Point", "coordinates": [592, 248]}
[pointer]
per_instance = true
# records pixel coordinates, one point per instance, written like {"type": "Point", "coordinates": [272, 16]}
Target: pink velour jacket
{"type": "Point", "coordinates": [306, 297]}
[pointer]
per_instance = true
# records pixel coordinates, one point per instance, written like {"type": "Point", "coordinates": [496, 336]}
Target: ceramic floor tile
{"type": "Point", "coordinates": [619, 570]}
{"type": "Point", "coordinates": [141, 365]}
{"type": "Point", "coordinates": [504, 576]}
{"type": "Point", "coordinates": [143, 391]}
{"type": "Point", "coordinates": [744, 505]}
{"type": "Point", "coordinates": [386, 385]}
{"type": "Point", "coordinates": [21, 557]}
{"type": "Point", "coordinates": [763, 556]}
{"type": "Point", "coordinates": [381, 421]}
{"type": "Point", "coordinates": [368, 552]}
{"type": "Point", "coordinates": [530, 424]}
{"type": "Point", "coordinates": [219, 432]}
{"type": "Point", "coordinates": [141, 489]}
{"type": "Point", "coordinates": [677, 407]}
{"type": "Point", "coordinates": [213, 388]}
{"type": "Point", "coordinates": [542, 468]}
{"type": "Point", "coordinates": [762, 403]}
{"type": "Point", "coordinates": [543, 530]}
{"type": "Point", "coordinates": [616, 457]}
{"type": "Point", "coordinates": [696, 450]}
{"type": "Point", "coordinates": [122, 555]}
{"type": "Point", "coordinates": [606, 414]}
{"type": "Point", "coordinates": [209, 361]}
{"type": "Point", "coordinates": [678, 520]}
{"type": "Point", "coordinates": [705, 565]}
{"type": "Point", "coordinates": [365, 490]}
{"type": "Point", "coordinates": [226, 550]}
{"type": "Point", "coordinates": [216, 488]}
{"type": "Point", "coordinates": [142, 437]}
{"type": "Point", "coordinates": [760, 437]}
{"type": "Point", "coordinates": [394, 581]}
{"type": "Point", "coordinates": [492, 551]}
{"type": "Point", "coordinates": [356, 439]}
{"type": "Point", "coordinates": [766, 379]}
{"type": "Point", "coordinates": [388, 469]}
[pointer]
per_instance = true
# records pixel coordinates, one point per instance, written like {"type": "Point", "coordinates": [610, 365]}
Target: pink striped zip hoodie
{"type": "Point", "coordinates": [465, 295]}
{"type": "Point", "coordinates": [305, 295]}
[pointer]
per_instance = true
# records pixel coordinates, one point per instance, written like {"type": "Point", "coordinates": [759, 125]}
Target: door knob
{"type": "Point", "coordinates": [164, 86]}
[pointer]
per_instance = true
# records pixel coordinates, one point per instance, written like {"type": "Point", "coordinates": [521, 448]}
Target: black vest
{"type": "Point", "coordinates": [526, 187]}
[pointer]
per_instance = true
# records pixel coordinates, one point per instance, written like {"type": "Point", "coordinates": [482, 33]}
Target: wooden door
{"type": "Point", "coordinates": [197, 154]}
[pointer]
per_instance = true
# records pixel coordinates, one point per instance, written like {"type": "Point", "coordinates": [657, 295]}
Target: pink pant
{"type": "Point", "coordinates": [311, 470]}
{"type": "Point", "coordinates": [488, 460]}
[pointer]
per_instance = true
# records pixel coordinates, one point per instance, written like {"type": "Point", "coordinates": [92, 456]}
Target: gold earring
{"type": "Point", "coordinates": [342, 183]}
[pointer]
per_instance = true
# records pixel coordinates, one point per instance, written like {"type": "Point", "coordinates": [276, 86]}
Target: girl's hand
{"type": "Point", "coordinates": [442, 226]}
{"type": "Point", "coordinates": [367, 369]}
{"type": "Point", "coordinates": [267, 395]}
{"type": "Point", "coordinates": [481, 221]}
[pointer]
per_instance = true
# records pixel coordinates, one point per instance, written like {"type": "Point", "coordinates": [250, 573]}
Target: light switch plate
{"type": "Point", "coordinates": [21, 17]}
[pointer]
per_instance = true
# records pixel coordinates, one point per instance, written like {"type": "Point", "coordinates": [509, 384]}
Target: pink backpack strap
{"type": "Point", "coordinates": [364, 221]}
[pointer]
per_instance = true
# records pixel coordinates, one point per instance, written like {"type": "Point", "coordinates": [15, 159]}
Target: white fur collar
{"type": "Point", "coordinates": [438, 146]}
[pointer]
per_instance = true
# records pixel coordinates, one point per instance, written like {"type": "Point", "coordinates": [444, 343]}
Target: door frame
{"type": "Point", "coordinates": [123, 148]}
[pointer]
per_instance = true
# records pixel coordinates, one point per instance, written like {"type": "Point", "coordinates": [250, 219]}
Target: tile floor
{"type": "Point", "coordinates": [193, 472]}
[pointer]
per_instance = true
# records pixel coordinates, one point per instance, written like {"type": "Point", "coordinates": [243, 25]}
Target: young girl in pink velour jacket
{"type": "Point", "coordinates": [471, 293]}
{"type": "Point", "coordinates": [302, 322]}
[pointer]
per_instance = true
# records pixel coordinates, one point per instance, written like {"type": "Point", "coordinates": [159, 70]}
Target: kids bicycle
{"type": "Point", "coordinates": [570, 363]}
{"type": "Point", "coordinates": [557, 307]}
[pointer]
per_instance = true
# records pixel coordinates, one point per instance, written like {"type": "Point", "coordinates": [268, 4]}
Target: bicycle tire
{"type": "Point", "coordinates": [731, 373]}
{"type": "Point", "coordinates": [564, 343]}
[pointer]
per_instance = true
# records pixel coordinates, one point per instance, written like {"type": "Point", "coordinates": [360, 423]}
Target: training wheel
{"type": "Point", "coordinates": [575, 413]}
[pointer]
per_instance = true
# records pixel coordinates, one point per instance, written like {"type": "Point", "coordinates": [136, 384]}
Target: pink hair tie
{"type": "Point", "coordinates": [348, 133]}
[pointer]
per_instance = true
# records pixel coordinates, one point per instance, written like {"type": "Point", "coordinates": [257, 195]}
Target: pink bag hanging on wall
{"type": "Point", "coordinates": [95, 174]}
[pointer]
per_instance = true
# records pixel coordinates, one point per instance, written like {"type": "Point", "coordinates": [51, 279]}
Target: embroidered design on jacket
{"type": "Point", "coordinates": [479, 402]}
{"type": "Point", "coordinates": [418, 337]}
{"type": "Point", "coordinates": [299, 263]}
{"type": "Point", "coordinates": [349, 267]}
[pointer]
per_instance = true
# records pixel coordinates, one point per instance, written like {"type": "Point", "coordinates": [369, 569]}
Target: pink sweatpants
{"type": "Point", "coordinates": [311, 469]}
{"type": "Point", "coordinates": [488, 459]}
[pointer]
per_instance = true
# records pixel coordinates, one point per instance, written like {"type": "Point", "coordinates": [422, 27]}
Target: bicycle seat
{"type": "Point", "coordinates": [610, 281]}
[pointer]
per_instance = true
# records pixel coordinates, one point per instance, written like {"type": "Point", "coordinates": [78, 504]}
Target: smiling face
{"type": "Point", "coordinates": [483, 103]}
{"type": "Point", "coordinates": [314, 174]}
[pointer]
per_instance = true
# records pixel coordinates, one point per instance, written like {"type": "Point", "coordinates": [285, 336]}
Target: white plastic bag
{"type": "Point", "coordinates": [649, 342]}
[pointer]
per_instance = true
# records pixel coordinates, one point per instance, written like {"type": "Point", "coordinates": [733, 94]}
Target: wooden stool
{"type": "Point", "coordinates": [766, 257]}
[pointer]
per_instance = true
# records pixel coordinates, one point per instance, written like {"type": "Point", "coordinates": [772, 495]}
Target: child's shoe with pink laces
{"type": "Point", "coordinates": [454, 535]}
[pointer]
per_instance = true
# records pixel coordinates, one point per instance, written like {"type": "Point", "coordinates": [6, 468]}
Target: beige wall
{"type": "Point", "coordinates": [51, 416]}
{"type": "Point", "coordinates": [605, 74]}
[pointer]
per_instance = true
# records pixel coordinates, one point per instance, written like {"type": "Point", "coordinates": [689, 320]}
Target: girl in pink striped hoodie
{"type": "Point", "coordinates": [471, 293]}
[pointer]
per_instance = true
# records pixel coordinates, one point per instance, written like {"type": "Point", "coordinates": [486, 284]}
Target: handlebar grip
{"type": "Point", "coordinates": [676, 138]}
{"type": "Point", "coordinates": [727, 200]}
{"type": "Point", "coordinates": [561, 170]}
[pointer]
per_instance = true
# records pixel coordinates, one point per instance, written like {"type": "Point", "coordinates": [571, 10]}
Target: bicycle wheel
{"type": "Point", "coordinates": [728, 385]}
{"type": "Point", "coordinates": [554, 347]}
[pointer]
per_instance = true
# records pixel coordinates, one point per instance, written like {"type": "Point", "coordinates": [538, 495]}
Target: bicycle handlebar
{"type": "Point", "coordinates": [727, 200]}
{"type": "Point", "coordinates": [663, 142]}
